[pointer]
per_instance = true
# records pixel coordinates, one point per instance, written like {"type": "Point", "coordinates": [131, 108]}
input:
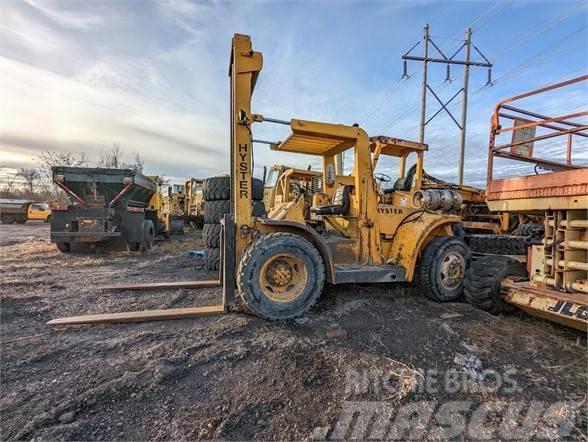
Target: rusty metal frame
{"type": "Point", "coordinates": [559, 126]}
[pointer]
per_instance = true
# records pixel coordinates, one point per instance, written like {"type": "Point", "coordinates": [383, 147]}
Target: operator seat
{"type": "Point", "coordinates": [403, 184]}
{"type": "Point", "coordinates": [339, 204]}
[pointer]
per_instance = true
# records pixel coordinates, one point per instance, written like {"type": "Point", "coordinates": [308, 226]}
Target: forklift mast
{"type": "Point", "coordinates": [243, 72]}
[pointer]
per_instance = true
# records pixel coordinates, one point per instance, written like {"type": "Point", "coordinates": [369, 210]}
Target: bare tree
{"type": "Point", "coordinates": [111, 159]}
{"type": "Point", "coordinates": [49, 159]}
{"type": "Point", "coordinates": [30, 175]}
{"type": "Point", "coordinates": [10, 180]}
{"type": "Point", "coordinates": [139, 163]}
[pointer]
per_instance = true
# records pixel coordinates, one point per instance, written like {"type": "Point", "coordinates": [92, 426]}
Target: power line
{"type": "Point", "coordinates": [499, 54]}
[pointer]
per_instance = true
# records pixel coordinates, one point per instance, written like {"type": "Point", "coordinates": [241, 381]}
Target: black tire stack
{"type": "Point", "coordinates": [217, 202]}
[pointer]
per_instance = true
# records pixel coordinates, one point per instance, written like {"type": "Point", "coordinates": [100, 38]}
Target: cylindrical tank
{"type": "Point", "coordinates": [437, 199]}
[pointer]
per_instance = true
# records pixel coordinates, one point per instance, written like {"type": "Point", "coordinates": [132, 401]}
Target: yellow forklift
{"type": "Point", "coordinates": [359, 232]}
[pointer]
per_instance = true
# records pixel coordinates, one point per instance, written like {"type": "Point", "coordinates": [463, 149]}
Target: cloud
{"type": "Point", "coordinates": [68, 19]}
{"type": "Point", "coordinates": [70, 116]}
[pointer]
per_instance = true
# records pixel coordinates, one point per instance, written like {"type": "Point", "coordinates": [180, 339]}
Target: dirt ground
{"type": "Point", "coordinates": [237, 377]}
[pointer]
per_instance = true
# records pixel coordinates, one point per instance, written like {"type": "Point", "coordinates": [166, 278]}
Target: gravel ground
{"type": "Point", "coordinates": [236, 376]}
{"type": "Point", "coordinates": [16, 233]}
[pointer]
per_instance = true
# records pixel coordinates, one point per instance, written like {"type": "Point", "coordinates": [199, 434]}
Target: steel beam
{"type": "Point", "coordinates": [164, 285]}
{"type": "Point", "coordinates": [140, 316]}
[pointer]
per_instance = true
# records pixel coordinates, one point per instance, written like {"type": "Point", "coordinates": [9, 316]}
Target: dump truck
{"type": "Point", "coordinates": [107, 205]}
{"type": "Point", "coordinates": [21, 211]}
{"type": "Point", "coordinates": [548, 190]}
{"type": "Point", "coordinates": [278, 266]}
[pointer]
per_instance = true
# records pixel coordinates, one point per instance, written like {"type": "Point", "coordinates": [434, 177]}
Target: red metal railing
{"type": "Point", "coordinates": [523, 119]}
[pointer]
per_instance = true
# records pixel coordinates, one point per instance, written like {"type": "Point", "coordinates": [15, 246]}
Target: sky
{"type": "Point", "coordinates": [151, 76]}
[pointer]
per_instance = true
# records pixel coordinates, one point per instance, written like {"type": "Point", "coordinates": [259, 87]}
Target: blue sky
{"type": "Point", "coordinates": [152, 76]}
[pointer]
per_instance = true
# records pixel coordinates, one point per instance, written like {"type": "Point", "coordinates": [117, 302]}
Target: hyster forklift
{"type": "Point", "coordinates": [551, 194]}
{"type": "Point", "coordinates": [360, 231]}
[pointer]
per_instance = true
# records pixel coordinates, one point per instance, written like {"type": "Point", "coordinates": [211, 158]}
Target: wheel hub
{"type": "Point", "coordinates": [452, 270]}
{"type": "Point", "coordinates": [279, 273]}
{"type": "Point", "coordinates": [283, 277]}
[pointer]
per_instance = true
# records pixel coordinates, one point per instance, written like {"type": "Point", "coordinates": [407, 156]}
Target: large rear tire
{"type": "Point", "coordinates": [7, 219]}
{"type": "Point", "coordinates": [219, 188]}
{"type": "Point", "coordinates": [211, 233]}
{"type": "Point", "coordinates": [482, 284]}
{"type": "Point", "coordinates": [215, 210]}
{"type": "Point", "coordinates": [212, 258]}
{"type": "Point", "coordinates": [442, 269]}
{"type": "Point", "coordinates": [280, 276]}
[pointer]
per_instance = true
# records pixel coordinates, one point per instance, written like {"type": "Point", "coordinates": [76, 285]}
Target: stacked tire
{"type": "Point", "coordinates": [217, 202]}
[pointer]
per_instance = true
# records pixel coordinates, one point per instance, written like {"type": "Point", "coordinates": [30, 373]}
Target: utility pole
{"type": "Point", "coordinates": [464, 106]}
{"type": "Point", "coordinates": [426, 87]}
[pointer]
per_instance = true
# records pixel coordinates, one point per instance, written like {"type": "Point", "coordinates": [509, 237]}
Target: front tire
{"type": "Point", "coordinates": [280, 276]}
{"type": "Point", "coordinates": [442, 269]}
{"type": "Point", "coordinates": [482, 284]}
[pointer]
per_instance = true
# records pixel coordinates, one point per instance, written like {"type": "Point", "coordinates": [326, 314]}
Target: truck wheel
{"type": "Point", "coordinates": [442, 269]}
{"type": "Point", "coordinates": [211, 234]}
{"type": "Point", "coordinates": [63, 247]}
{"type": "Point", "coordinates": [214, 211]}
{"type": "Point", "coordinates": [216, 188]}
{"type": "Point", "coordinates": [212, 258]}
{"type": "Point", "coordinates": [7, 219]}
{"type": "Point", "coordinates": [148, 235]}
{"type": "Point", "coordinates": [482, 284]}
{"type": "Point", "coordinates": [21, 220]}
{"type": "Point", "coordinates": [280, 276]}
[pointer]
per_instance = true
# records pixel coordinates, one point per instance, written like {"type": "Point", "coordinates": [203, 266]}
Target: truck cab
{"type": "Point", "coordinates": [39, 211]}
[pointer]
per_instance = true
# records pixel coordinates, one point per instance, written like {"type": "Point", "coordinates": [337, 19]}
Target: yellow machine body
{"type": "Point", "coordinates": [376, 230]}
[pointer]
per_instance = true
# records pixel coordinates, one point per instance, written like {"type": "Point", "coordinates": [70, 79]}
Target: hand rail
{"type": "Point", "coordinates": [556, 126]}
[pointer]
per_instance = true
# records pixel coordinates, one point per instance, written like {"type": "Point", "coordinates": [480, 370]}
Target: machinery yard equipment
{"type": "Point", "coordinates": [174, 209]}
{"type": "Point", "coordinates": [358, 233]}
{"type": "Point", "coordinates": [287, 184]}
{"type": "Point", "coordinates": [21, 211]}
{"type": "Point", "coordinates": [194, 201]}
{"type": "Point", "coordinates": [106, 204]}
{"type": "Point", "coordinates": [554, 193]}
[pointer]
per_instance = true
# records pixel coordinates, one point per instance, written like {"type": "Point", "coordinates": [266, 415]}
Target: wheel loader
{"type": "Point", "coordinates": [359, 232]}
{"type": "Point", "coordinates": [549, 189]}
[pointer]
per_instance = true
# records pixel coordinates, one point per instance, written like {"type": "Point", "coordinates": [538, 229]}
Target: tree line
{"type": "Point", "coordinates": [37, 182]}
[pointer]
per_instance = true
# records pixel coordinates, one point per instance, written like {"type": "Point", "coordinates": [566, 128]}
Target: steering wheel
{"type": "Point", "coordinates": [382, 177]}
{"type": "Point", "coordinates": [297, 190]}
